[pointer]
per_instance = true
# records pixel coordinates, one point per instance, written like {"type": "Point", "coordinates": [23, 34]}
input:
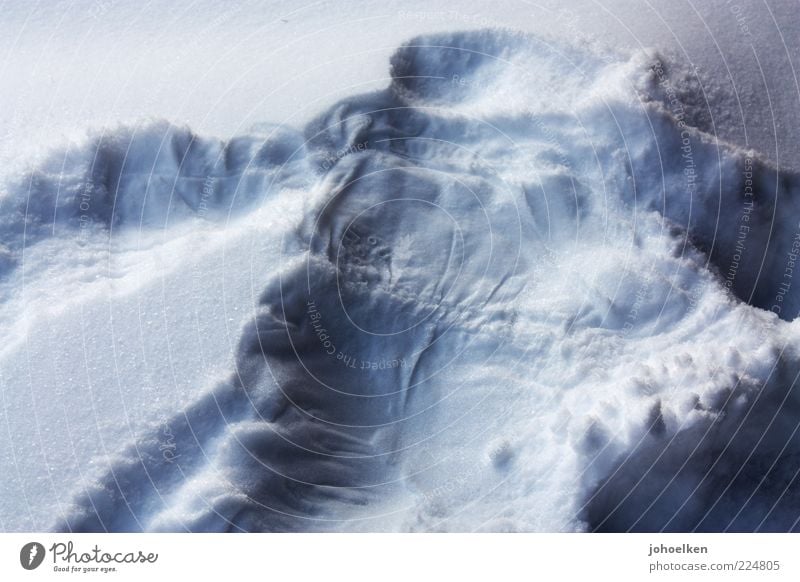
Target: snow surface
{"type": "Point", "coordinates": [523, 287]}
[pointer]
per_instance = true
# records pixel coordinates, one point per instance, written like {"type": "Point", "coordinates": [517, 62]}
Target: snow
{"type": "Point", "coordinates": [518, 283]}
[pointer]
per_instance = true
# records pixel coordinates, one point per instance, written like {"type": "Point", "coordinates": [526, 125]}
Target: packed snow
{"type": "Point", "coordinates": [522, 287]}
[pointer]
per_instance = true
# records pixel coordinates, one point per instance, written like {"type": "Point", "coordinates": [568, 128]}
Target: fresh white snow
{"type": "Point", "coordinates": [514, 282]}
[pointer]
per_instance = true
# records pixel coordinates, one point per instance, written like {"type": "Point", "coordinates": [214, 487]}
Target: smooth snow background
{"type": "Point", "coordinates": [73, 64]}
{"type": "Point", "coordinates": [87, 348]}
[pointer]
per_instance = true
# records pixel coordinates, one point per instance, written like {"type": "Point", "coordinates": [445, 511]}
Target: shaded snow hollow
{"type": "Point", "coordinates": [522, 291]}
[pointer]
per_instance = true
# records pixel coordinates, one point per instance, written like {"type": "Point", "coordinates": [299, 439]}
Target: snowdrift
{"type": "Point", "coordinates": [530, 291]}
